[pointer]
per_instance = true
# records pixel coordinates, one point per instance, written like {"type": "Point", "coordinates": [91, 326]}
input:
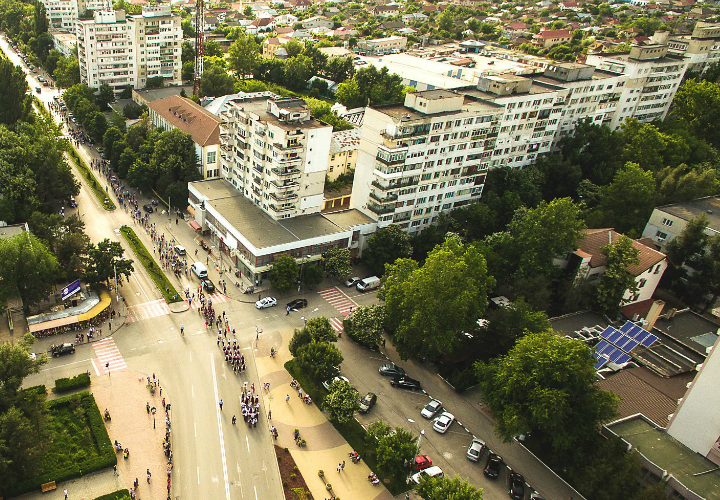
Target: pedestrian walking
{"type": "Point", "coordinates": [287, 398]}
{"type": "Point", "coordinates": [234, 419]}
{"type": "Point", "coordinates": [115, 472]}
{"type": "Point", "coordinates": [148, 476]}
{"type": "Point", "coordinates": [147, 407]}
{"type": "Point", "coordinates": [269, 414]}
{"type": "Point", "coordinates": [343, 465]}
{"type": "Point", "coordinates": [221, 404]}
{"type": "Point", "coordinates": [339, 468]}
{"type": "Point", "coordinates": [65, 493]}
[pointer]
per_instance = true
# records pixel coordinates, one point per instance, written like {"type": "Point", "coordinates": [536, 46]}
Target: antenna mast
{"type": "Point", "coordinates": [199, 44]}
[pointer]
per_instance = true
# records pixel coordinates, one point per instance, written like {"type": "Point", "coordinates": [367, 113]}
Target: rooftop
{"type": "Point", "coordinates": [594, 239]}
{"type": "Point", "coordinates": [403, 113]}
{"type": "Point", "coordinates": [690, 329]}
{"type": "Point", "coordinates": [692, 470]}
{"type": "Point", "coordinates": [261, 230]}
{"type": "Point", "coordinates": [257, 104]}
{"type": "Point", "coordinates": [345, 140]}
{"type": "Point", "coordinates": [189, 117]}
{"type": "Point", "coordinates": [687, 210]}
{"type": "Point", "coordinates": [571, 323]}
{"type": "Point", "coordinates": [154, 94]}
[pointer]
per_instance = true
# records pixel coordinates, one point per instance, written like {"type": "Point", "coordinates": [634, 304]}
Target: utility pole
{"type": "Point", "coordinates": [199, 44]}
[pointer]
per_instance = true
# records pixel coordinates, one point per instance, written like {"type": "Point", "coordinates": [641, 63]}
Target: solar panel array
{"type": "Point", "coordinates": [616, 344]}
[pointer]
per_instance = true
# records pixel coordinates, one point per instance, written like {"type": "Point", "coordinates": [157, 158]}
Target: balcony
{"type": "Point", "coordinates": [402, 217]}
{"type": "Point", "coordinates": [388, 161]}
{"type": "Point", "coordinates": [286, 185]}
{"type": "Point", "coordinates": [281, 208]}
{"type": "Point", "coordinates": [286, 160]}
{"type": "Point", "coordinates": [380, 210]}
{"type": "Point", "coordinates": [395, 185]}
{"type": "Point", "coordinates": [286, 172]}
{"type": "Point", "coordinates": [378, 197]}
{"type": "Point", "coordinates": [283, 197]}
{"type": "Point", "coordinates": [288, 146]}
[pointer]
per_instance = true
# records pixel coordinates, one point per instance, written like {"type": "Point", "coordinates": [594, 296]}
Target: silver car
{"type": "Point", "coordinates": [431, 409]}
{"type": "Point", "coordinates": [475, 450]}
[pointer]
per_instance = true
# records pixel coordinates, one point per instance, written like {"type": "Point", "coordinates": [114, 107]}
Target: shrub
{"type": "Point", "coordinates": [293, 476]}
{"type": "Point", "coordinates": [76, 382]}
{"type": "Point", "coordinates": [116, 495]}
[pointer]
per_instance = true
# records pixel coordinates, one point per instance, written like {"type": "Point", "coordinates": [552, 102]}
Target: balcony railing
{"type": "Point", "coordinates": [281, 208]}
{"type": "Point", "coordinates": [389, 198]}
{"type": "Point", "coordinates": [286, 185]}
{"type": "Point", "coordinates": [287, 172]}
{"type": "Point", "coordinates": [281, 197]}
{"type": "Point", "coordinates": [388, 161]}
{"type": "Point", "coordinates": [380, 209]}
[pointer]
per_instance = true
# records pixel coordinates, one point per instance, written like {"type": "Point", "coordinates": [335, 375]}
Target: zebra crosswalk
{"type": "Point", "coordinates": [217, 298]}
{"type": "Point", "coordinates": [337, 324]}
{"type": "Point", "coordinates": [108, 358]}
{"type": "Point", "coordinates": [337, 298]}
{"type": "Point", "coordinates": [147, 310]}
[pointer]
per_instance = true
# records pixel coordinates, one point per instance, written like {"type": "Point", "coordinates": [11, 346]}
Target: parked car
{"type": "Point", "coordinates": [59, 350]}
{"type": "Point", "coordinates": [493, 465]}
{"type": "Point", "coordinates": [443, 422]}
{"type": "Point", "coordinates": [180, 250]}
{"type": "Point", "coordinates": [391, 370]}
{"type": "Point", "coordinates": [296, 304]}
{"type": "Point", "coordinates": [352, 281]}
{"type": "Point", "coordinates": [433, 471]}
{"type": "Point", "coordinates": [536, 496]}
{"type": "Point", "coordinates": [431, 409]}
{"type": "Point", "coordinates": [38, 90]}
{"type": "Point", "coordinates": [208, 285]}
{"type": "Point", "coordinates": [406, 383]}
{"type": "Point", "coordinates": [475, 450]}
{"type": "Point", "coordinates": [266, 302]}
{"type": "Point", "coordinates": [517, 486]}
{"type": "Point", "coordinates": [148, 208]}
{"type": "Point", "coordinates": [327, 383]}
{"type": "Point", "coordinates": [421, 462]}
{"type": "Point", "coordinates": [367, 402]}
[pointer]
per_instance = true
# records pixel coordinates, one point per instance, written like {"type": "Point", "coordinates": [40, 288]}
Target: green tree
{"type": "Point", "coordinates": [446, 21]}
{"type": "Point", "coordinates": [506, 325]}
{"type": "Point", "coordinates": [316, 329]}
{"type": "Point", "coordinates": [365, 325]}
{"type": "Point", "coordinates": [104, 260]}
{"type": "Point", "coordinates": [442, 488]}
{"type": "Point", "coordinates": [67, 72]}
{"type": "Point", "coordinates": [588, 147]}
{"type": "Point", "coordinates": [14, 100]}
{"type": "Point", "coordinates": [439, 301]}
{"type": "Point", "coordinates": [40, 18]}
{"type": "Point", "coordinates": [341, 402]}
{"type": "Point", "coordinates": [312, 274]}
{"type": "Point", "coordinates": [697, 106]}
{"type": "Point", "coordinates": [339, 69]}
{"type": "Point", "coordinates": [216, 82]}
{"type": "Point", "coordinates": [298, 71]}
{"type": "Point", "coordinates": [284, 273]}
{"type": "Point", "coordinates": [293, 48]}
{"type": "Point", "coordinates": [27, 268]}
{"type": "Point", "coordinates": [51, 61]}
{"type": "Point", "coordinates": [243, 56]}
{"type": "Point", "coordinates": [690, 243]}
{"type": "Point", "coordinates": [155, 82]}
{"type": "Point", "coordinates": [616, 281]}
{"type": "Point", "coordinates": [539, 234]}
{"type": "Point", "coordinates": [370, 86]}
{"type": "Point", "coordinates": [684, 183]}
{"type": "Point", "coordinates": [187, 28]}
{"type": "Point", "coordinates": [213, 49]}
{"type": "Point", "coordinates": [188, 70]}
{"type": "Point", "coordinates": [394, 450]}
{"type": "Point", "coordinates": [105, 96]}
{"type": "Point", "coordinates": [546, 386]}
{"type": "Point", "coordinates": [337, 261]}
{"type": "Point", "coordinates": [386, 246]}
{"type": "Point", "coordinates": [319, 360]}
{"type": "Point", "coordinates": [627, 202]}
{"type": "Point", "coordinates": [96, 125]}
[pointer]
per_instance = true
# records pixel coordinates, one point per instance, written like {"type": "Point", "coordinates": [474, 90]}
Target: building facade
{"type": "Point", "coordinates": [343, 152]}
{"type": "Point", "coordinates": [387, 45]}
{"type": "Point", "coordinates": [123, 50]}
{"type": "Point", "coordinates": [423, 157]}
{"type": "Point", "coordinates": [62, 14]}
{"type": "Point", "coordinates": [667, 222]}
{"type": "Point", "coordinates": [701, 48]}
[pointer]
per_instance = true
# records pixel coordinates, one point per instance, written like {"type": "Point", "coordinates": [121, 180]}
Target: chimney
{"type": "Point", "coordinates": [655, 311]}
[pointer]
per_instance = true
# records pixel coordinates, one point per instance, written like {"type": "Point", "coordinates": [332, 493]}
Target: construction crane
{"type": "Point", "coordinates": [199, 44]}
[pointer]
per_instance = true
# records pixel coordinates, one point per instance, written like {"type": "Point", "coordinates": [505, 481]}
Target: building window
{"type": "Point", "coordinates": [642, 282]}
{"type": "Point", "coordinates": [667, 222]}
{"type": "Point", "coordinates": [660, 235]}
{"type": "Point", "coordinates": [211, 157]}
{"type": "Point", "coordinates": [657, 269]}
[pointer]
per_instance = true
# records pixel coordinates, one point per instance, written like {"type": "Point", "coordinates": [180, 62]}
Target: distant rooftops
{"type": "Point", "coordinates": [189, 117]}
{"type": "Point", "coordinates": [687, 210]}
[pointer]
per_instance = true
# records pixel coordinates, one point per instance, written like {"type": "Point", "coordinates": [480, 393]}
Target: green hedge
{"type": "Point", "coordinates": [156, 273]}
{"type": "Point", "coordinates": [76, 382]}
{"type": "Point", "coordinates": [96, 187]}
{"type": "Point", "coordinates": [116, 495]}
{"type": "Point", "coordinates": [78, 443]}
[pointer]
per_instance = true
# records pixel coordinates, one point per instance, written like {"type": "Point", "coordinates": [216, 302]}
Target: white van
{"type": "Point", "coordinates": [368, 284]}
{"type": "Point", "coordinates": [199, 269]}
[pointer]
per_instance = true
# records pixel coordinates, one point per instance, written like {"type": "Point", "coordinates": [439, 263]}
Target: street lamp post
{"type": "Point", "coordinates": [117, 292]}
{"type": "Point", "coordinates": [422, 433]}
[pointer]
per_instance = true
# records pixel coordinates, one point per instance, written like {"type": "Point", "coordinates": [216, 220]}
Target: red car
{"type": "Point", "coordinates": [421, 462]}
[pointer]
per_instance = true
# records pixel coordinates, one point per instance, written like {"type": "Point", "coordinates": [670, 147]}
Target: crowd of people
{"type": "Point", "coordinates": [249, 405]}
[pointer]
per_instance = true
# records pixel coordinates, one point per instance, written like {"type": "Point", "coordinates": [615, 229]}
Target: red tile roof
{"type": "Point", "coordinates": [554, 34]}
{"type": "Point", "coordinates": [594, 239]}
{"type": "Point", "coordinates": [189, 117]}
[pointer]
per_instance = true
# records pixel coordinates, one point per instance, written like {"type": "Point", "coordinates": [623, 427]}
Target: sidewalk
{"type": "Point", "coordinates": [326, 448]}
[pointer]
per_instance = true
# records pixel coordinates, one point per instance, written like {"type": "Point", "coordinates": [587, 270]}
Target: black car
{"type": "Point", "coordinates": [406, 383]}
{"type": "Point", "coordinates": [367, 402]}
{"type": "Point", "coordinates": [493, 465]}
{"type": "Point", "coordinates": [148, 208]}
{"type": "Point", "coordinates": [391, 370]}
{"type": "Point", "coordinates": [208, 285]}
{"type": "Point", "coordinates": [296, 304]}
{"type": "Point", "coordinates": [517, 486]}
{"type": "Point", "coordinates": [59, 350]}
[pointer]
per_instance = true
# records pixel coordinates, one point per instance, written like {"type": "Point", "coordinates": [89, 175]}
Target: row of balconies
{"type": "Point", "coordinates": [383, 198]}
{"type": "Point", "coordinates": [410, 181]}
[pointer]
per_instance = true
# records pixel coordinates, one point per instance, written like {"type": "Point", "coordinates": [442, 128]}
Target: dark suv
{"type": "Point", "coordinates": [493, 465]}
{"type": "Point", "coordinates": [406, 383]}
{"type": "Point", "coordinates": [59, 350]}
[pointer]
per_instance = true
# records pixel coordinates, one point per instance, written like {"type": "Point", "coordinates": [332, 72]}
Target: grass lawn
{"type": "Point", "coordinates": [352, 431]}
{"type": "Point", "coordinates": [116, 495]}
{"type": "Point", "coordinates": [78, 442]}
{"type": "Point", "coordinates": [152, 267]}
{"type": "Point", "coordinates": [95, 186]}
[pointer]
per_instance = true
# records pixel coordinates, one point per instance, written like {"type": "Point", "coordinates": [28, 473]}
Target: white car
{"type": "Point", "coordinates": [433, 471]}
{"type": "Point", "coordinates": [443, 422]}
{"type": "Point", "coordinates": [327, 383]}
{"type": "Point", "coordinates": [475, 450]}
{"type": "Point", "coordinates": [431, 409]}
{"type": "Point", "coordinates": [266, 302]}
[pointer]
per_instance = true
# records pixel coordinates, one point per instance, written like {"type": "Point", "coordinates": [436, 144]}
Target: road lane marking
{"type": "Point", "coordinates": [141, 287]}
{"type": "Point", "coordinates": [247, 441]}
{"type": "Point", "coordinates": [220, 431]}
{"type": "Point", "coordinates": [192, 390]}
{"type": "Point", "coordinates": [195, 428]}
{"type": "Point", "coordinates": [191, 357]}
{"type": "Point", "coordinates": [198, 470]}
{"type": "Point", "coordinates": [255, 488]}
{"type": "Point", "coordinates": [66, 364]}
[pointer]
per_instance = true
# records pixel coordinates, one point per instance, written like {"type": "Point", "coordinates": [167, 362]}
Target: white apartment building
{"type": "Point", "coordinates": [275, 153]}
{"type": "Point", "coordinates": [122, 50]}
{"type": "Point", "coordinates": [425, 156]}
{"type": "Point", "coordinates": [62, 14]}
{"type": "Point", "coordinates": [701, 48]}
{"type": "Point", "coordinates": [652, 77]}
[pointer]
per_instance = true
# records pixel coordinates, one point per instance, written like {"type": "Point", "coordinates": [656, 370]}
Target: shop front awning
{"type": "Point", "coordinates": [195, 225]}
{"type": "Point", "coordinates": [55, 323]}
{"type": "Point", "coordinates": [105, 301]}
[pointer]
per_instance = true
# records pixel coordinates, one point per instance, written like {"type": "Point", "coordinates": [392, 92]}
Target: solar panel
{"type": "Point", "coordinates": [642, 336]}
{"type": "Point", "coordinates": [627, 327]}
{"type": "Point", "coordinates": [629, 345]}
{"type": "Point", "coordinates": [600, 346]}
{"type": "Point", "coordinates": [624, 358]}
{"type": "Point", "coordinates": [616, 355]}
{"type": "Point", "coordinates": [601, 363]}
{"type": "Point", "coordinates": [650, 340]}
{"type": "Point", "coordinates": [607, 332]}
{"type": "Point", "coordinates": [615, 337]}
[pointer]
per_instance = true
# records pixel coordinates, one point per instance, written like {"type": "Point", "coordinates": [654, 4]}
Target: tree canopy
{"type": "Point", "coordinates": [384, 247]}
{"type": "Point", "coordinates": [284, 273]}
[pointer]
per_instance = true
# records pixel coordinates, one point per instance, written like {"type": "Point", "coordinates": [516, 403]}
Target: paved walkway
{"type": "Point", "coordinates": [326, 448]}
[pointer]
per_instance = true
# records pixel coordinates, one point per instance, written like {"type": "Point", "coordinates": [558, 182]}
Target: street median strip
{"type": "Point", "coordinates": [158, 276]}
{"type": "Point", "coordinates": [94, 185]}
